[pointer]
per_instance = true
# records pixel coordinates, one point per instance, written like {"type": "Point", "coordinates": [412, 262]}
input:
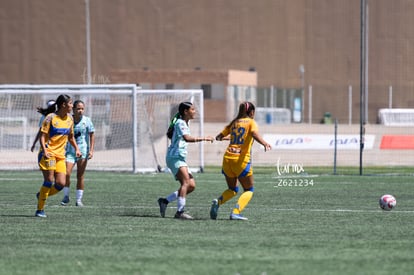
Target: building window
{"type": "Point", "coordinates": [206, 90]}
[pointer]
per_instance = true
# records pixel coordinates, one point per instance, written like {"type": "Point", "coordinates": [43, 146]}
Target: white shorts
{"type": "Point", "coordinates": [73, 159]}
{"type": "Point", "coordinates": [174, 164]}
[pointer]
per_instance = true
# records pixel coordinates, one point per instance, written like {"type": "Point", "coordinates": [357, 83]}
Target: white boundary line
{"type": "Point", "coordinates": [339, 210]}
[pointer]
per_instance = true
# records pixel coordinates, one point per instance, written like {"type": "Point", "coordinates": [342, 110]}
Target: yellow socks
{"type": "Point", "coordinates": [242, 202]}
{"type": "Point", "coordinates": [47, 189]}
{"type": "Point", "coordinates": [43, 194]}
{"type": "Point", "coordinates": [227, 195]}
{"type": "Point", "coordinates": [55, 189]}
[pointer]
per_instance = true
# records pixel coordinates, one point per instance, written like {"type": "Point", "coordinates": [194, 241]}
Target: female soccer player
{"type": "Point", "coordinates": [179, 133]}
{"type": "Point", "coordinates": [236, 166]}
{"type": "Point", "coordinates": [51, 107]}
{"type": "Point", "coordinates": [57, 129]}
{"type": "Point", "coordinates": [85, 139]}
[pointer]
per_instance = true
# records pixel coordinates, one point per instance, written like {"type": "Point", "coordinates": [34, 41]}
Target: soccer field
{"type": "Point", "coordinates": [317, 223]}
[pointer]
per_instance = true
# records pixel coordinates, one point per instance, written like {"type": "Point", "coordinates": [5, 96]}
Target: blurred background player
{"type": "Point", "coordinates": [84, 132]}
{"type": "Point", "coordinates": [56, 131]}
{"type": "Point", "coordinates": [51, 107]}
{"type": "Point", "coordinates": [236, 166]}
{"type": "Point", "coordinates": [179, 133]}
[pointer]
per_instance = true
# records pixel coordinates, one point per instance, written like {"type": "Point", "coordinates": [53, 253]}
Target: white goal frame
{"type": "Point", "coordinates": [23, 159]}
{"type": "Point", "coordinates": [23, 121]}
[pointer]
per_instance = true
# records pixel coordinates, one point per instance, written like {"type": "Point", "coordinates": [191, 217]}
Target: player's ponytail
{"type": "Point", "coordinates": [245, 109]}
{"type": "Point", "coordinates": [51, 108]}
{"type": "Point", "coordinates": [181, 108]}
{"type": "Point", "coordinates": [170, 130]}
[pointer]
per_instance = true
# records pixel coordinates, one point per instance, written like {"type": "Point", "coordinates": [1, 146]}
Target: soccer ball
{"type": "Point", "coordinates": [387, 202]}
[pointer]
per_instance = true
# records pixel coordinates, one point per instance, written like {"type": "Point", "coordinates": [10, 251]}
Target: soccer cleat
{"type": "Point", "coordinates": [79, 204]}
{"type": "Point", "coordinates": [183, 216]}
{"type": "Point", "coordinates": [214, 209]}
{"type": "Point", "coordinates": [65, 201]}
{"type": "Point", "coordinates": [40, 214]}
{"type": "Point", "coordinates": [163, 206]}
{"type": "Point", "coordinates": [237, 217]}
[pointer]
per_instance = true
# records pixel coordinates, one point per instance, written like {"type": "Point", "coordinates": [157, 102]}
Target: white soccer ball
{"type": "Point", "coordinates": [387, 202]}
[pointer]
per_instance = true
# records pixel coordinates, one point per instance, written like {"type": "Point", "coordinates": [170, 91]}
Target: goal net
{"type": "Point", "coordinates": [396, 117]}
{"type": "Point", "coordinates": [272, 115]}
{"type": "Point", "coordinates": [130, 124]}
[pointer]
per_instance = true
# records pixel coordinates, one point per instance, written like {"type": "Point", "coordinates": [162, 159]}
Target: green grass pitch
{"type": "Point", "coordinates": [331, 226]}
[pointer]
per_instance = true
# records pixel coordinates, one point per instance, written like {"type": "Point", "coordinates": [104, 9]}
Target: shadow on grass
{"type": "Point", "coordinates": [157, 216]}
{"type": "Point", "coordinates": [139, 215]}
{"type": "Point", "coordinates": [18, 216]}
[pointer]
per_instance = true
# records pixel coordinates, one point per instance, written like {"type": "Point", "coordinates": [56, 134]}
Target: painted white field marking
{"type": "Point", "coordinates": [207, 207]}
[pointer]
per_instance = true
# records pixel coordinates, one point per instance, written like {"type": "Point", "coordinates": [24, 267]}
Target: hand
{"type": "Point", "coordinates": [78, 153]}
{"type": "Point", "coordinates": [267, 147]}
{"type": "Point", "coordinates": [220, 137]}
{"type": "Point", "coordinates": [46, 154]}
{"type": "Point", "coordinates": [90, 155]}
{"type": "Point", "coordinates": [209, 138]}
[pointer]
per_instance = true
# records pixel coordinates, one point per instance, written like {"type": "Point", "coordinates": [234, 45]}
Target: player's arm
{"type": "Point", "coordinates": [42, 141]}
{"type": "Point", "coordinates": [224, 135]}
{"type": "Point", "coordinates": [221, 137]}
{"type": "Point", "coordinates": [43, 132]}
{"type": "Point", "coordinates": [37, 137]}
{"type": "Point", "coordinates": [91, 144]}
{"type": "Point", "coordinates": [189, 138]}
{"type": "Point", "coordinates": [72, 141]}
{"type": "Point", "coordinates": [260, 140]}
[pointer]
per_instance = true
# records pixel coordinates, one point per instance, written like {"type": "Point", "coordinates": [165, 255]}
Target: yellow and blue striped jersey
{"type": "Point", "coordinates": [57, 131]}
{"type": "Point", "coordinates": [241, 137]}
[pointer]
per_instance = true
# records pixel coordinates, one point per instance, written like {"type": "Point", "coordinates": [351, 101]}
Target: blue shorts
{"type": "Point", "coordinates": [174, 164]}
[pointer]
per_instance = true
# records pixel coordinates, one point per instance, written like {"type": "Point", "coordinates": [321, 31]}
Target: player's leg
{"type": "Point", "coordinates": [48, 167]}
{"type": "Point", "coordinates": [230, 192]}
{"type": "Point", "coordinates": [230, 172]}
{"type": "Point", "coordinates": [247, 183]}
{"type": "Point", "coordinates": [80, 176]}
{"type": "Point", "coordinates": [180, 172]}
{"type": "Point", "coordinates": [246, 180]}
{"type": "Point", "coordinates": [70, 163]}
{"type": "Point", "coordinates": [60, 177]}
{"type": "Point", "coordinates": [163, 202]}
{"type": "Point", "coordinates": [187, 183]}
{"type": "Point", "coordinates": [48, 178]}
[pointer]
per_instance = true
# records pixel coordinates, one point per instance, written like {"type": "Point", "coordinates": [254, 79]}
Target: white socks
{"type": "Point", "coordinates": [79, 193]}
{"type": "Point", "coordinates": [180, 204]}
{"type": "Point", "coordinates": [66, 191]}
{"type": "Point", "coordinates": [172, 197]}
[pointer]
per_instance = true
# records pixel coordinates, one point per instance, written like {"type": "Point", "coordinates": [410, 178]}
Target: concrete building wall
{"type": "Point", "coordinates": [44, 41]}
{"type": "Point", "coordinates": [217, 109]}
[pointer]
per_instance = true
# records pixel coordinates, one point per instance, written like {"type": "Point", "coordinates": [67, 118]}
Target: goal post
{"type": "Point", "coordinates": [130, 124]}
{"type": "Point", "coordinates": [155, 109]}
